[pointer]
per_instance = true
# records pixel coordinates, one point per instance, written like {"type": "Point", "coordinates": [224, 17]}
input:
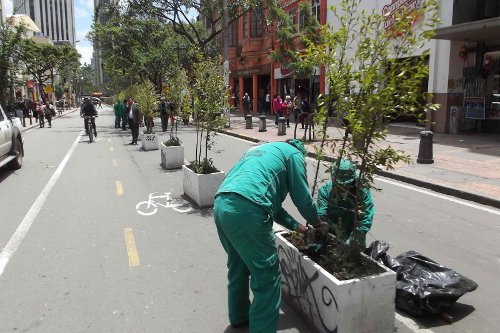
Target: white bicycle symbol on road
{"type": "Point", "coordinates": [150, 207]}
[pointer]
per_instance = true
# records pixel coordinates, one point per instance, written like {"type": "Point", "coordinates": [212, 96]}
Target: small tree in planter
{"type": "Point", "coordinates": [210, 93]}
{"type": "Point", "coordinates": [172, 150]}
{"type": "Point", "coordinates": [144, 94]}
{"type": "Point", "coordinates": [372, 73]}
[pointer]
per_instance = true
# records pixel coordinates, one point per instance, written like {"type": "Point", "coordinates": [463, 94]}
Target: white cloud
{"type": "Point", "coordinates": [85, 52]}
{"type": "Point", "coordinates": [81, 13]}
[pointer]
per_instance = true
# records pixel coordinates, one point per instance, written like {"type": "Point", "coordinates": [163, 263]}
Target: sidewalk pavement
{"type": "Point", "coordinates": [466, 166]}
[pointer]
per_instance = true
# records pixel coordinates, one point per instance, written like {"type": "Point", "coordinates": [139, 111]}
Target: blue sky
{"type": "Point", "coordinates": [84, 10]}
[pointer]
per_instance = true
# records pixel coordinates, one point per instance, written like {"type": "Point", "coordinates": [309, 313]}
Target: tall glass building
{"type": "Point", "coordinates": [55, 18]}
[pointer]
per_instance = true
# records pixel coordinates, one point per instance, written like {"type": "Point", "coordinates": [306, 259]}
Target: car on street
{"type": "Point", "coordinates": [11, 142]}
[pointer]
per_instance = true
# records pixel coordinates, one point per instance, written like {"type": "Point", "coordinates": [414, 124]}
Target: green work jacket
{"type": "Point", "coordinates": [266, 174]}
{"type": "Point", "coordinates": [342, 210]}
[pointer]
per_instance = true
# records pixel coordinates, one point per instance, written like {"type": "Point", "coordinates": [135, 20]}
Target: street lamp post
{"type": "Point", "coordinates": [227, 112]}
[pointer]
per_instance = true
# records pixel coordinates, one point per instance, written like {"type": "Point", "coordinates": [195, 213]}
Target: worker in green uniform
{"type": "Point", "coordinates": [341, 212]}
{"type": "Point", "coordinates": [246, 204]}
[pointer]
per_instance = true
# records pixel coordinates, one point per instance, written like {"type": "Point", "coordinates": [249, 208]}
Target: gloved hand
{"type": "Point", "coordinates": [310, 235]}
{"type": "Point", "coordinates": [322, 230]}
{"type": "Point", "coordinates": [314, 247]}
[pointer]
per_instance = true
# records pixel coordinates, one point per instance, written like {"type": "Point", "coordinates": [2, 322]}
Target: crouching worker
{"type": "Point", "coordinates": [342, 195]}
{"type": "Point", "coordinates": [246, 204]}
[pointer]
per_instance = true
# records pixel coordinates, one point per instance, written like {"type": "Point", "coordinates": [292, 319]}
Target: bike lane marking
{"type": "Point", "coordinates": [111, 149]}
{"type": "Point", "coordinates": [114, 162]}
{"type": "Point", "coordinates": [22, 230]}
{"type": "Point", "coordinates": [119, 188]}
{"type": "Point", "coordinates": [133, 256]}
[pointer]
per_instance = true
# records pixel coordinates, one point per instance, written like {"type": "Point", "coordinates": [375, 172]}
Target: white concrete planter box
{"type": "Point", "coordinates": [201, 188]}
{"type": "Point", "coordinates": [149, 141]}
{"type": "Point", "coordinates": [365, 305]}
{"type": "Point", "coordinates": [172, 157]}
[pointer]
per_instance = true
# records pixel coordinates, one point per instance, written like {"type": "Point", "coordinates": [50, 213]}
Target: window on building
{"type": "Point", "coordinates": [233, 37]}
{"type": "Point", "coordinates": [58, 16]}
{"type": "Point", "coordinates": [316, 9]}
{"type": "Point", "coordinates": [255, 23]}
{"type": "Point", "coordinates": [245, 25]}
{"type": "Point", "coordinates": [32, 9]}
{"type": "Point", "coordinates": [293, 17]}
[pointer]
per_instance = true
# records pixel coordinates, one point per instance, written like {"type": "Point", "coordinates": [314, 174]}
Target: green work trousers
{"type": "Point", "coordinates": [245, 231]}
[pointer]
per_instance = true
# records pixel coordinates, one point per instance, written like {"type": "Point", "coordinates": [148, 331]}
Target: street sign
{"type": "Point", "coordinates": [48, 89]}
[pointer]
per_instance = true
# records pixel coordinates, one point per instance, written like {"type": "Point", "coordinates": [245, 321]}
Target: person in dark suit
{"type": "Point", "coordinates": [133, 119]}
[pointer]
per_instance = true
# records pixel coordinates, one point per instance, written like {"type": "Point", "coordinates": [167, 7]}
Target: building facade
{"type": "Point", "coordinates": [251, 69]}
{"type": "Point", "coordinates": [55, 18]}
{"type": "Point", "coordinates": [2, 11]}
{"type": "Point", "coordinates": [100, 74]}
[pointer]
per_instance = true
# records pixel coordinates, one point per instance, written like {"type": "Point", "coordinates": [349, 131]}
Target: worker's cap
{"type": "Point", "coordinates": [344, 173]}
{"type": "Point", "coordinates": [299, 145]}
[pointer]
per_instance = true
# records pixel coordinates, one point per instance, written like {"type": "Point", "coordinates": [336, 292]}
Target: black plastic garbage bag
{"type": "Point", "coordinates": [422, 285]}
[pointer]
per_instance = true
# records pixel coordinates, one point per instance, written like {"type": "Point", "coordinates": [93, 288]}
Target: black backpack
{"type": "Point", "coordinates": [88, 109]}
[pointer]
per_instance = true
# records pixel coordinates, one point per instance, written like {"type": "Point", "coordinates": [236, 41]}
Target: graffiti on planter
{"type": "Point", "coordinates": [306, 291]}
{"type": "Point", "coordinates": [150, 206]}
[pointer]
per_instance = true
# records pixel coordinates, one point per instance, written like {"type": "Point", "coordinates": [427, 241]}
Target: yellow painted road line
{"type": "Point", "coordinates": [119, 188]}
{"type": "Point", "coordinates": [109, 140]}
{"type": "Point", "coordinates": [114, 162]}
{"type": "Point", "coordinates": [133, 256]}
{"type": "Point", "coordinates": [111, 149]}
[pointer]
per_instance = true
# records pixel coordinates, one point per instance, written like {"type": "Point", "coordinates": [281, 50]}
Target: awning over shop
{"type": "Point", "coordinates": [483, 30]}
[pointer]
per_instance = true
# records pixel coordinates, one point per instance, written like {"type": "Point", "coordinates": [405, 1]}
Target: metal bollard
{"type": "Point", "coordinates": [425, 148]}
{"type": "Point", "coordinates": [281, 126]}
{"type": "Point", "coordinates": [262, 124]}
{"type": "Point", "coordinates": [248, 119]}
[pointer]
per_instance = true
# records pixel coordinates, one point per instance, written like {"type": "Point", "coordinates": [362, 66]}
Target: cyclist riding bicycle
{"type": "Point", "coordinates": [88, 111]}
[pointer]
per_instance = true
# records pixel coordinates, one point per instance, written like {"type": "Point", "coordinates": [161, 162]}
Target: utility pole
{"type": "Point", "coordinates": [227, 111]}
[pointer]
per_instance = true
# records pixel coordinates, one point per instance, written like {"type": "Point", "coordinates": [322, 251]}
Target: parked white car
{"type": "Point", "coordinates": [11, 141]}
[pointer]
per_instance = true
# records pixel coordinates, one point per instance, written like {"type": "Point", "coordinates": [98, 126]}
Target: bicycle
{"type": "Point", "coordinates": [150, 207]}
{"type": "Point", "coordinates": [89, 129]}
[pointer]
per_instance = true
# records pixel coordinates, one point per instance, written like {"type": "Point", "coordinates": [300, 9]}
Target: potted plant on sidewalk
{"type": "Point", "coordinates": [147, 100]}
{"type": "Point", "coordinates": [384, 79]}
{"type": "Point", "coordinates": [179, 97]}
{"type": "Point", "coordinates": [201, 177]}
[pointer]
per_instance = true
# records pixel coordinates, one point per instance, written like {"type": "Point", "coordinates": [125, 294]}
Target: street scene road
{"type": "Point", "coordinates": [77, 254]}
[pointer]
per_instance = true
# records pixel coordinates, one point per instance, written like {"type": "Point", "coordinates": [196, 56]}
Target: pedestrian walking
{"type": "Point", "coordinates": [118, 114]}
{"type": "Point", "coordinates": [164, 113]}
{"type": "Point", "coordinates": [49, 112]}
{"type": "Point", "coordinates": [297, 107]}
{"type": "Point", "coordinates": [268, 103]}
{"type": "Point", "coordinates": [133, 120]}
{"type": "Point", "coordinates": [41, 114]}
{"type": "Point", "coordinates": [277, 105]}
{"type": "Point", "coordinates": [124, 115]}
{"type": "Point", "coordinates": [287, 108]}
{"type": "Point", "coordinates": [341, 198]}
{"type": "Point", "coordinates": [246, 204]}
{"type": "Point", "coordinates": [246, 104]}
{"type": "Point", "coordinates": [306, 110]}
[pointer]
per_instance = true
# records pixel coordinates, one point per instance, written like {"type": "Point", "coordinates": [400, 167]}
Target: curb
{"type": "Point", "coordinates": [28, 127]}
{"type": "Point", "coordinates": [477, 198]}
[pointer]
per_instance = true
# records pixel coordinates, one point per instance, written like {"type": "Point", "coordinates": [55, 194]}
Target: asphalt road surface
{"type": "Point", "coordinates": [78, 256]}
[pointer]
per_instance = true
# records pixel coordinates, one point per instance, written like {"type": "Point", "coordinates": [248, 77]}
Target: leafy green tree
{"type": "Point", "coordinates": [10, 37]}
{"type": "Point", "coordinates": [179, 94]}
{"type": "Point", "coordinates": [136, 48]}
{"type": "Point", "coordinates": [144, 94]}
{"type": "Point", "coordinates": [180, 14]}
{"type": "Point", "coordinates": [371, 73]}
{"type": "Point", "coordinates": [45, 61]}
{"type": "Point", "coordinates": [210, 98]}
{"type": "Point", "coordinates": [83, 80]}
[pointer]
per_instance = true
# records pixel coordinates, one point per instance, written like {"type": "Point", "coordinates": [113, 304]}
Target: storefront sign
{"type": "Point", "coordinates": [475, 107]}
{"type": "Point", "coordinates": [389, 11]}
{"type": "Point", "coordinates": [264, 69]}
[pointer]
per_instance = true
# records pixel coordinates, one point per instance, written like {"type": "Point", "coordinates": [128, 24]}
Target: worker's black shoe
{"type": "Point", "coordinates": [241, 325]}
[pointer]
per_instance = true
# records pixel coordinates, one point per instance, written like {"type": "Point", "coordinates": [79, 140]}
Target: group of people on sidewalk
{"type": "Point", "coordinates": [250, 200]}
{"type": "Point", "coordinates": [41, 111]}
{"type": "Point", "coordinates": [127, 114]}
